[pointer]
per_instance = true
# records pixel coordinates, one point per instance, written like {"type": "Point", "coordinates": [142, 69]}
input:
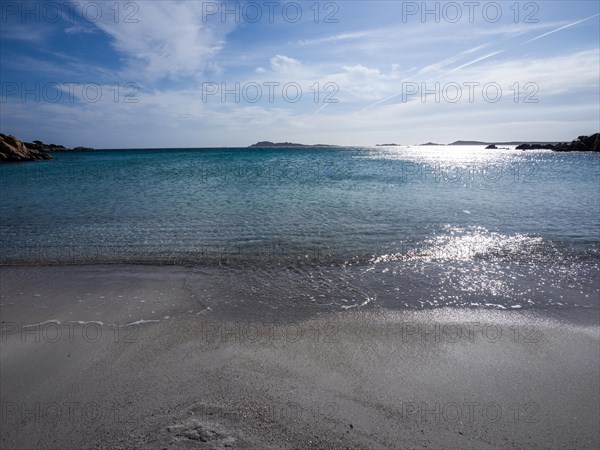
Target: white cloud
{"type": "Point", "coordinates": [362, 71]}
{"type": "Point", "coordinates": [284, 64]}
{"type": "Point", "coordinates": [169, 39]}
{"type": "Point", "coordinates": [335, 38]}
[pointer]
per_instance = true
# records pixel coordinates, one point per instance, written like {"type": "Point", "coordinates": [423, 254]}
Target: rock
{"type": "Point", "coordinates": [591, 143]}
{"type": "Point", "coordinates": [596, 144]}
{"type": "Point", "coordinates": [13, 150]}
{"type": "Point", "coordinates": [535, 147]}
{"type": "Point", "coordinates": [491, 147]}
{"type": "Point", "coordinates": [582, 144]}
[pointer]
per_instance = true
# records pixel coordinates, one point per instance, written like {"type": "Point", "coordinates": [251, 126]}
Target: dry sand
{"type": "Point", "coordinates": [132, 357]}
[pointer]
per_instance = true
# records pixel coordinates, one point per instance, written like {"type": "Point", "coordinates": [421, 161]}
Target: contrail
{"type": "Point", "coordinates": [561, 28]}
{"type": "Point", "coordinates": [320, 109]}
{"type": "Point", "coordinates": [484, 57]}
{"type": "Point", "coordinates": [489, 55]}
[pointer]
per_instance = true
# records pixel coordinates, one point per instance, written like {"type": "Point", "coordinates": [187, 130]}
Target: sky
{"type": "Point", "coordinates": [146, 74]}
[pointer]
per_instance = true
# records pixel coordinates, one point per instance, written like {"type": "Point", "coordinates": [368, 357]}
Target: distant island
{"type": "Point", "coordinates": [265, 144]}
{"type": "Point", "coordinates": [387, 145]}
{"type": "Point", "coordinates": [431, 143]}
{"type": "Point", "coordinates": [14, 150]}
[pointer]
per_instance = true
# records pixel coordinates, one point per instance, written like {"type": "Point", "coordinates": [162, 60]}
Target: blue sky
{"type": "Point", "coordinates": [184, 74]}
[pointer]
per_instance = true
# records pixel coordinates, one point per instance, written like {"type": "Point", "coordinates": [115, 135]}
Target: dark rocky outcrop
{"type": "Point", "coordinates": [491, 147]}
{"type": "Point", "coordinates": [13, 150]}
{"type": "Point", "coordinates": [582, 144]}
{"type": "Point", "coordinates": [535, 147]}
{"type": "Point", "coordinates": [40, 146]}
{"type": "Point", "coordinates": [497, 143]}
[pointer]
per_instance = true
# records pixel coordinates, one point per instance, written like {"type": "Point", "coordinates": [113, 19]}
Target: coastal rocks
{"type": "Point", "coordinates": [13, 150]}
{"type": "Point", "coordinates": [491, 147]}
{"type": "Point", "coordinates": [40, 146]}
{"type": "Point", "coordinates": [535, 147]}
{"type": "Point", "coordinates": [582, 144]}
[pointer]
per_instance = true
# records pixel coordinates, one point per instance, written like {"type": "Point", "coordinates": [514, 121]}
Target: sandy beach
{"type": "Point", "coordinates": [299, 225]}
{"type": "Point", "coordinates": [130, 357]}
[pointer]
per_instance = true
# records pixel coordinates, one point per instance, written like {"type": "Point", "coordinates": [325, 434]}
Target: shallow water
{"type": "Point", "coordinates": [407, 227]}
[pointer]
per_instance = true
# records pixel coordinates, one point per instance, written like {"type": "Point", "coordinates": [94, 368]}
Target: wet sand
{"type": "Point", "coordinates": [137, 357]}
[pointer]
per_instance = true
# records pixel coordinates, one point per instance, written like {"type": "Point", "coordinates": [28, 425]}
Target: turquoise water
{"type": "Point", "coordinates": [399, 226]}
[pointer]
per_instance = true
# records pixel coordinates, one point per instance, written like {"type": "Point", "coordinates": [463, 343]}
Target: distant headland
{"type": "Point", "coordinates": [581, 144]}
{"type": "Point", "coordinates": [14, 150]}
{"type": "Point", "coordinates": [266, 144]}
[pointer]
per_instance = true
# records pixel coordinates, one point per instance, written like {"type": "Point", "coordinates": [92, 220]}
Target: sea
{"type": "Point", "coordinates": [407, 227]}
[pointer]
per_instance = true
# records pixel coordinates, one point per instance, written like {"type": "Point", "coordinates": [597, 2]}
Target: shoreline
{"type": "Point", "coordinates": [210, 290]}
{"type": "Point", "coordinates": [84, 365]}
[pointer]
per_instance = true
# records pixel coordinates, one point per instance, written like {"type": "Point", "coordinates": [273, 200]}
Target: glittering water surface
{"type": "Point", "coordinates": [342, 227]}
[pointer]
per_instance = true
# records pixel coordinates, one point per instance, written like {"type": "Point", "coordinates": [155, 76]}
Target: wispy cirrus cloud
{"type": "Point", "coordinates": [169, 39]}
